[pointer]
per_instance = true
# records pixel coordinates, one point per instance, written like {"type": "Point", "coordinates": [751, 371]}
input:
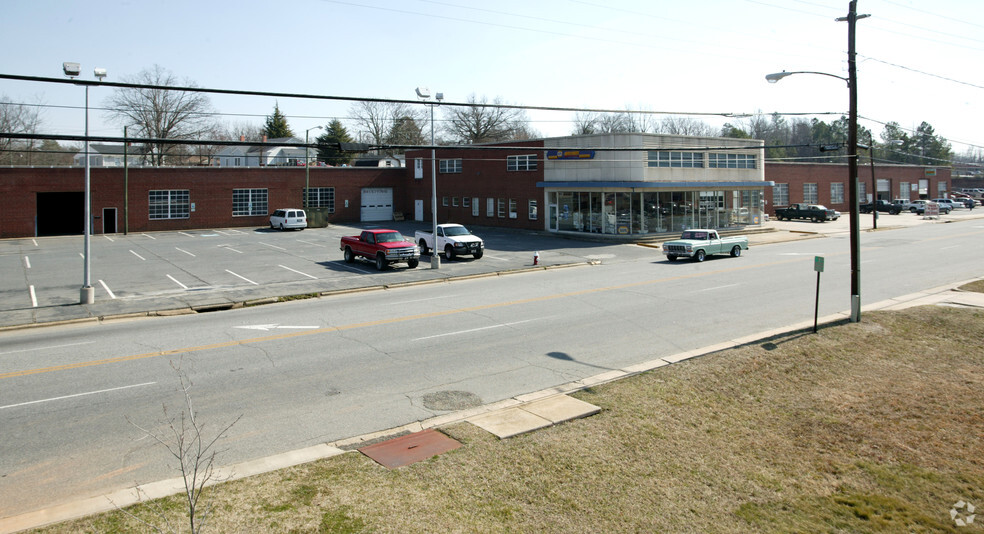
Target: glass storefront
{"type": "Point", "coordinates": [652, 212]}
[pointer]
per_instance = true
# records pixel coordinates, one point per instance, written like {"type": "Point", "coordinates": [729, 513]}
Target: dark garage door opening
{"type": "Point", "coordinates": [61, 213]}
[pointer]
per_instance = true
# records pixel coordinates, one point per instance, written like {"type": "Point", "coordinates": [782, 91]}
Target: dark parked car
{"type": "Point", "coordinates": [814, 212]}
{"type": "Point", "coordinates": [883, 206]}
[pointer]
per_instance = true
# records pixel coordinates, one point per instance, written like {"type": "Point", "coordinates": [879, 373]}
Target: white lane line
{"type": "Point", "coordinates": [298, 272]}
{"type": "Point", "coordinates": [137, 255]}
{"type": "Point", "coordinates": [27, 262]}
{"type": "Point", "coordinates": [111, 295]}
{"type": "Point", "coordinates": [76, 395]}
{"type": "Point", "coordinates": [176, 282]}
{"type": "Point", "coordinates": [34, 300]}
{"type": "Point", "coordinates": [109, 238]}
{"type": "Point", "coordinates": [718, 287]}
{"type": "Point", "coordinates": [313, 244]}
{"type": "Point", "coordinates": [243, 277]}
{"type": "Point", "coordinates": [186, 234]}
{"type": "Point", "coordinates": [47, 348]}
{"type": "Point", "coordinates": [150, 236]}
{"type": "Point", "coordinates": [272, 246]}
{"type": "Point", "coordinates": [477, 329]}
{"type": "Point", "coordinates": [186, 252]}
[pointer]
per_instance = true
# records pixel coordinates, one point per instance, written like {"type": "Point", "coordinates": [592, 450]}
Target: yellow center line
{"type": "Point", "coordinates": [380, 322]}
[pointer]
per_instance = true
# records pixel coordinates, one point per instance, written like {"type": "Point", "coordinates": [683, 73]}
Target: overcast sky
{"type": "Point", "coordinates": [917, 60]}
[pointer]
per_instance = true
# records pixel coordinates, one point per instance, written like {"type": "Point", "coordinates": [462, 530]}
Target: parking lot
{"type": "Point", "coordinates": [218, 268]}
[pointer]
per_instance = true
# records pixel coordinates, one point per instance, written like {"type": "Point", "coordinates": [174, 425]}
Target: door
{"type": "Point", "coordinates": [418, 210]}
{"type": "Point", "coordinates": [377, 204]}
{"type": "Point", "coordinates": [109, 220]}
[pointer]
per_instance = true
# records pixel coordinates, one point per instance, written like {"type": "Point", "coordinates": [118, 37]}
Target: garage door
{"type": "Point", "coordinates": [377, 204]}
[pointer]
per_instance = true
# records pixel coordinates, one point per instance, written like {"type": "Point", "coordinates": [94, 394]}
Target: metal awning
{"type": "Point", "coordinates": [639, 186]}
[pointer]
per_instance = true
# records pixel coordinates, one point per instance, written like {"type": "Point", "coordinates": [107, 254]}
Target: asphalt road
{"type": "Point", "coordinates": [313, 371]}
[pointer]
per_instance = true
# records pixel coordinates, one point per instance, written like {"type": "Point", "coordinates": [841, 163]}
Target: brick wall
{"type": "Point", "coordinates": [823, 174]}
{"type": "Point", "coordinates": [210, 190]}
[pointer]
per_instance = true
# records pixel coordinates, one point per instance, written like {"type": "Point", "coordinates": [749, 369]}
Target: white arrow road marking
{"type": "Point", "coordinates": [273, 326]}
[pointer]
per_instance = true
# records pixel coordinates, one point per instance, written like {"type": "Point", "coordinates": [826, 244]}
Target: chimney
{"type": "Point", "coordinates": [242, 138]}
{"type": "Point", "coordinates": [264, 138]}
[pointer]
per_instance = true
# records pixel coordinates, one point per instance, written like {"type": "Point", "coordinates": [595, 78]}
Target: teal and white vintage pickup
{"type": "Point", "coordinates": [700, 243]}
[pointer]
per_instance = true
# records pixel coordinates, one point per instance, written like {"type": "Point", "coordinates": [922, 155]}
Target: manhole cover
{"type": "Point", "coordinates": [451, 400]}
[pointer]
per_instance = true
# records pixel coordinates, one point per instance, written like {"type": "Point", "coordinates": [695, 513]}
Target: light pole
{"type": "Point", "coordinates": [852, 152]}
{"type": "Point", "coordinates": [874, 182]}
{"type": "Point", "coordinates": [423, 93]}
{"type": "Point", "coordinates": [86, 294]}
{"type": "Point", "coordinates": [307, 165]}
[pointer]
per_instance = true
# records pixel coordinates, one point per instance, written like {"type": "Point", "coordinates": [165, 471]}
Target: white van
{"type": "Point", "coordinates": [288, 218]}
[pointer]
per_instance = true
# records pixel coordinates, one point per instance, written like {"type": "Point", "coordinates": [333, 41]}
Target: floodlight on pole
{"type": "Point", "coordinates": [424, 94]}
{"type": "Point", "coordinates": [86, 293]}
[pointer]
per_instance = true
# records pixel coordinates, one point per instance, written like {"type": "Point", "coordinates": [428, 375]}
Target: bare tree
{"type": "Point", "coordinates": [186, 441]}
{"type": "Point", "coordinates": [685, 126]}
{"type": "Point", "coordinates": [610, 123]}
{"type": "Point", "coordinates": [161, 113]}
{"type": "Point", "coordinates": [18, 119]}
{"type": "Point", "coordinates": [481, 122]}
{"type": "Point", "coordinates": [584, 123]}
{"type": "Point", "coordinates": [243, 131]}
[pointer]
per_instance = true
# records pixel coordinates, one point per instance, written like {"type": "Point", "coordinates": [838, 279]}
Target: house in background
{"type": "Point", "coordinates": [269, 153]}
{"type": "Point", "coordinates": [373, 160]}
{"type": "Point", "coordinates": [106, 155]}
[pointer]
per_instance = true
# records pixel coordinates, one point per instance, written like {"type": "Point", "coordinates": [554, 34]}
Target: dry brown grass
{"type": "Point", "coordinates": [868, 427]}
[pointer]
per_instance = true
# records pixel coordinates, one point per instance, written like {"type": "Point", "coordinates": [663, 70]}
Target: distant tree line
{"type": "Point", "coordinates": [188, 115]}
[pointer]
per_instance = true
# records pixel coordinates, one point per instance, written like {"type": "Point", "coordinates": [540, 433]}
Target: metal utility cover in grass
{"type": "Point", "coordinates": [405, 450]}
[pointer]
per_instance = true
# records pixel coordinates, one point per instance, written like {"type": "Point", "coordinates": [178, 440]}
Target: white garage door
{"type": "Point", "coordinates": [377, 204]}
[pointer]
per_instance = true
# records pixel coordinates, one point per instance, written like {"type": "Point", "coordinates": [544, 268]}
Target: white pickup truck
{"type": "Point", "coordinates": [453, 239]}
{"type": "Point", "coordinates": [702, 242]}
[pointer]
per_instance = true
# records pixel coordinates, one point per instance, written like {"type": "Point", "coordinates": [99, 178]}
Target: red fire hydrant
{"type": "Point", "coordinates": [536, 258]}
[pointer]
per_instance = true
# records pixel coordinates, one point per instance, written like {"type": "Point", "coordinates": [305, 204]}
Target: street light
{"type": "Point", "coordinates": [424, 94]}
{"type": "Point", "coordinates": [852, 155]}
{"type": "Point", "coordinates": [86, 294]}
{"type": "Point", "coordinates": [307, 165]}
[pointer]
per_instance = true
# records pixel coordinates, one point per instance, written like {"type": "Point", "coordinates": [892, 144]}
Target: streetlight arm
{"type": "Point", "coordinates": [776, 76]}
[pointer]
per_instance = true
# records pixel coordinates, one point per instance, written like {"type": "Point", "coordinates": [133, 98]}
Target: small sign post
{"type": "Point", "coordinates": [818, 267]}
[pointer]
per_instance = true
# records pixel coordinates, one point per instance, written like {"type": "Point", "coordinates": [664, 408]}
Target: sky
{"type": "Point", "coordinates": [917, 62]}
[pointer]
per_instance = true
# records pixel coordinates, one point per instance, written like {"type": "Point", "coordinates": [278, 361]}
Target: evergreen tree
{"type": "Point", "coordinates": [276, 126]}
{"type": "Point", "coordinates": [328, 151]}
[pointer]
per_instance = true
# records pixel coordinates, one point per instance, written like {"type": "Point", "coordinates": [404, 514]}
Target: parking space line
{"type": "Point", "coordinates": [35, 242]}
{"type": "Point", "coordinates": [186, 234]}
{"type": "Point", "coordinates": [111, 295]}
{"type": "Point", "coordinates": [186, 252]}
{"type": "Point", "coordinates": [227, 247]}
{"type": "Point", "coordinates": [34, 298]}
{"type": "Point", "coordinates": [298, 272]}
{"type": "Point", "coordinates": [176, 282]}
{"type": "Point", "coordinates": [243, 277]}
{"type": "Point", "coordinates": [310, 243]}
{"type": "Point", "coordinates": [27, 262]}
{"type": "Point", "coordinates": [109, 238]}
{"type": "Point", "coordinates": [272, 246]}
{"type": "Point", "coordinates": [137, 255]}
{"type": "Point", "coordinates": [150, 236]}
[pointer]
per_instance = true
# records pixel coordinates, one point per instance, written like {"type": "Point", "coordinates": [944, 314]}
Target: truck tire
{"type": "Point", "coordinates": [449, 252]}
{"type": "Point", "coordinates": [380, 261]}
{"type": "Point", "coordinates": [412, 263]}
{"type": "Point", "coordinates": [423, 247]}
{"type": "Point", "coordinates": [699, 255]}
{"type": "Point", "coordinates": [349, 257]}
{"type": "Point", "coordinates": [479, 254]}
{"type": "Point", "coordinates": [815, 219]}
{"type": "Point", "coordinates": [735, 251]}
{"type": "Point", "coordinates": [671, 257]}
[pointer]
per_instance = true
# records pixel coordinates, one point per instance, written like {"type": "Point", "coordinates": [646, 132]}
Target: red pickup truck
{"type": "Point", "coordinates": [382, 246]}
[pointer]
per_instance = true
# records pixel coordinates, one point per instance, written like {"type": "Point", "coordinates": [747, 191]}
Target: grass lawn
{"type": "Point", "coordinates": [876, 426]}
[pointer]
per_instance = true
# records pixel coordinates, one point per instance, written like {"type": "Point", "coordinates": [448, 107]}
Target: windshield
{"type": "Point", "coordinates": [456, 230]}
{"type": "Point", "coordinates": [389, 237]}
{"type": "Point", "coordinates": [695, 235]}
